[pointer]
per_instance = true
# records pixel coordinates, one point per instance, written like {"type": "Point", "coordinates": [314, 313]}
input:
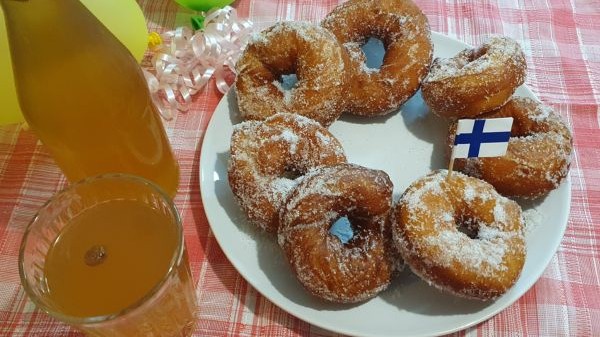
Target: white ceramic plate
{"type": "Point", "coordinates": [407, 145]}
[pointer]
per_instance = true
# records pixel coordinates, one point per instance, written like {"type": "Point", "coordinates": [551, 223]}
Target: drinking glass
{"type": "Point", "coordinates": [106, 204]}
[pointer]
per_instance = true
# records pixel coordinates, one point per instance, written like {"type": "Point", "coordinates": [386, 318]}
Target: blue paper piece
{"type": "Point", "coordinates": [342, 229]}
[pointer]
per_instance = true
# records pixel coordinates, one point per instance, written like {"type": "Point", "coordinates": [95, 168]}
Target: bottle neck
{"type": "Point", "coordinates": [52, 39]}
{"type": "Point", "coordinates": [8, 2]}
{"type": "Point", "coordinates": [15, 6]}
{"type": "Point", "coordinates": [26, 16]}
{"type": "Point", "coordinates": [51, 26]}
{"type": "Point", "coordinates": [48, 15]}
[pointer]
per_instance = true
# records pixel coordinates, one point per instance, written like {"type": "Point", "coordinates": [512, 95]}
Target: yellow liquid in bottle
{"type": "Point", "coordinates": [84, 95]}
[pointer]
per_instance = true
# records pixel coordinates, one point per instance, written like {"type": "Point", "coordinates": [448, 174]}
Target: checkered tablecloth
{"type": "Point", "coordinates": [562, 42]}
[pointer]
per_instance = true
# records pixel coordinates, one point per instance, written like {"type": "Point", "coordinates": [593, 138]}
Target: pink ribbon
{"type": "Point", "coordinates": [185, 62]}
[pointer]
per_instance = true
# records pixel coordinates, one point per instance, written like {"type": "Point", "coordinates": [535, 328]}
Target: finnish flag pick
{"type": "Point", "coordinates": [482, 137]}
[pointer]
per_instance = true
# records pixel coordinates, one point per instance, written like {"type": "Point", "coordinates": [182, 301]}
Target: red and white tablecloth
{"type": "Point", "coordinates": [562, 42]}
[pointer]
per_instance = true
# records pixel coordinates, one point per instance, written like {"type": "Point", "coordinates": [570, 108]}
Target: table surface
{"type": "Point", "coordinates": [561, 40]}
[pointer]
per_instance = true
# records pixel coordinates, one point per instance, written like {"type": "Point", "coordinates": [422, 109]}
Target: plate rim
{"type": "Point", "coordinates": [236, 264]}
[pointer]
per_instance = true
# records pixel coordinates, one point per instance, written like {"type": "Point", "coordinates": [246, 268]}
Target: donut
{"type": "Point", "coordinates": [404, 31]}
{"type": "Point", "coordinates": [268, 158]}
{"type": "Point", "coordinates": [476, 80]}
{"type": "Point", "coordinates": [327, 268]}
{"type": "Point", "coordinates": [538, 155]}
{"type": "Point", "coordinates": [309, 51]}
{"type": "Point", "coordinates": [460, 235]}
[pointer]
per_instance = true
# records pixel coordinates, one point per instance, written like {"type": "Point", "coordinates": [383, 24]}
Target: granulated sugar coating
{"type": "Point", "coordinates": [328, 268]}
{"type": "Point", "coordinates": [480, 261]}
{"type": "Point", "coordinates": [476, 80]}
{"type": "Point", "coordinates": [405, 33]}
{"type": "Point", "coordinates": [265, 155]}
{"type": "Point", "coordinates": [538, 155]}
{"type": "Point", "coordinates": [290, 175]}
{"type": "Point", "coordinates": [532, 219]}
{"type": "Point", "coordinates": [309, 51]}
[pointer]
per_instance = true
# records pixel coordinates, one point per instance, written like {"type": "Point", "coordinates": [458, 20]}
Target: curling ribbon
{"type": "Point", "coordinates": [186, 61]}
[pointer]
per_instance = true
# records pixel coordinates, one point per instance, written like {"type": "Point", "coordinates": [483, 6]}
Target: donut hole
{"type": "Point", "coordinates": [468, 226]}
{"type": "Point", "coordinates": [291, 173]}
{"type": "Point", "coordinates": [288, 81]}
{"type": "Point", "coordinates": [342, 229]}
{"type": "Point", "coordinates": [274, 155]}
{"type": "Point", "coordinates": [469, 57]}
{"type": "Point", "coordinates": [374, 51]}
{"type": "Point", "coordinates": [477, 53]}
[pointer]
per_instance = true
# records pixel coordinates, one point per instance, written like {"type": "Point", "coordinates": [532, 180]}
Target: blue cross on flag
{"type": "Point", "coordinates": [482, 137]}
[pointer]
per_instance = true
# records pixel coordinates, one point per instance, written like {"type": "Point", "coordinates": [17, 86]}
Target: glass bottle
{"type": "Point", "coordinates": [84, 94]}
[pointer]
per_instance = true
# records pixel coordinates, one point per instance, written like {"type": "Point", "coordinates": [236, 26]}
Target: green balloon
{"type": "Point", "coordinates": [203, 5]}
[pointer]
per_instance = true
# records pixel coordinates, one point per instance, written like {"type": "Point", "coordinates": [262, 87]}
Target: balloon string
{"type": "Point", "coordinates": [186, 61]}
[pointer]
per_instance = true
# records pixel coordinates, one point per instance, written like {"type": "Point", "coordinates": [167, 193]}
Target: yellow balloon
{"type": "Point", "coordinates": [123, 18]}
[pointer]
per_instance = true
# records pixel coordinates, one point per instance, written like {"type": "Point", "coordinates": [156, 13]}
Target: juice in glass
{"type": "Point", "coordinates": [107, 256]}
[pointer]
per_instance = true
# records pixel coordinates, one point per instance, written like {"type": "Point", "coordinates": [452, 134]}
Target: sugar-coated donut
{"type": "Point", "coordinates": [483, 259]}
{"type": "Point", "coordinates": [309, 51]}
{"type": "Point", "coordinates": [265, 155]}
{"type": "Point", "coordinates": [538, 155]}
{"type": "Point", "coordinates": [405, 33]}
{"type": "Point", "coordinates": [327, 268]}
{"type": "Point", "coordinates": [476, 80]}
